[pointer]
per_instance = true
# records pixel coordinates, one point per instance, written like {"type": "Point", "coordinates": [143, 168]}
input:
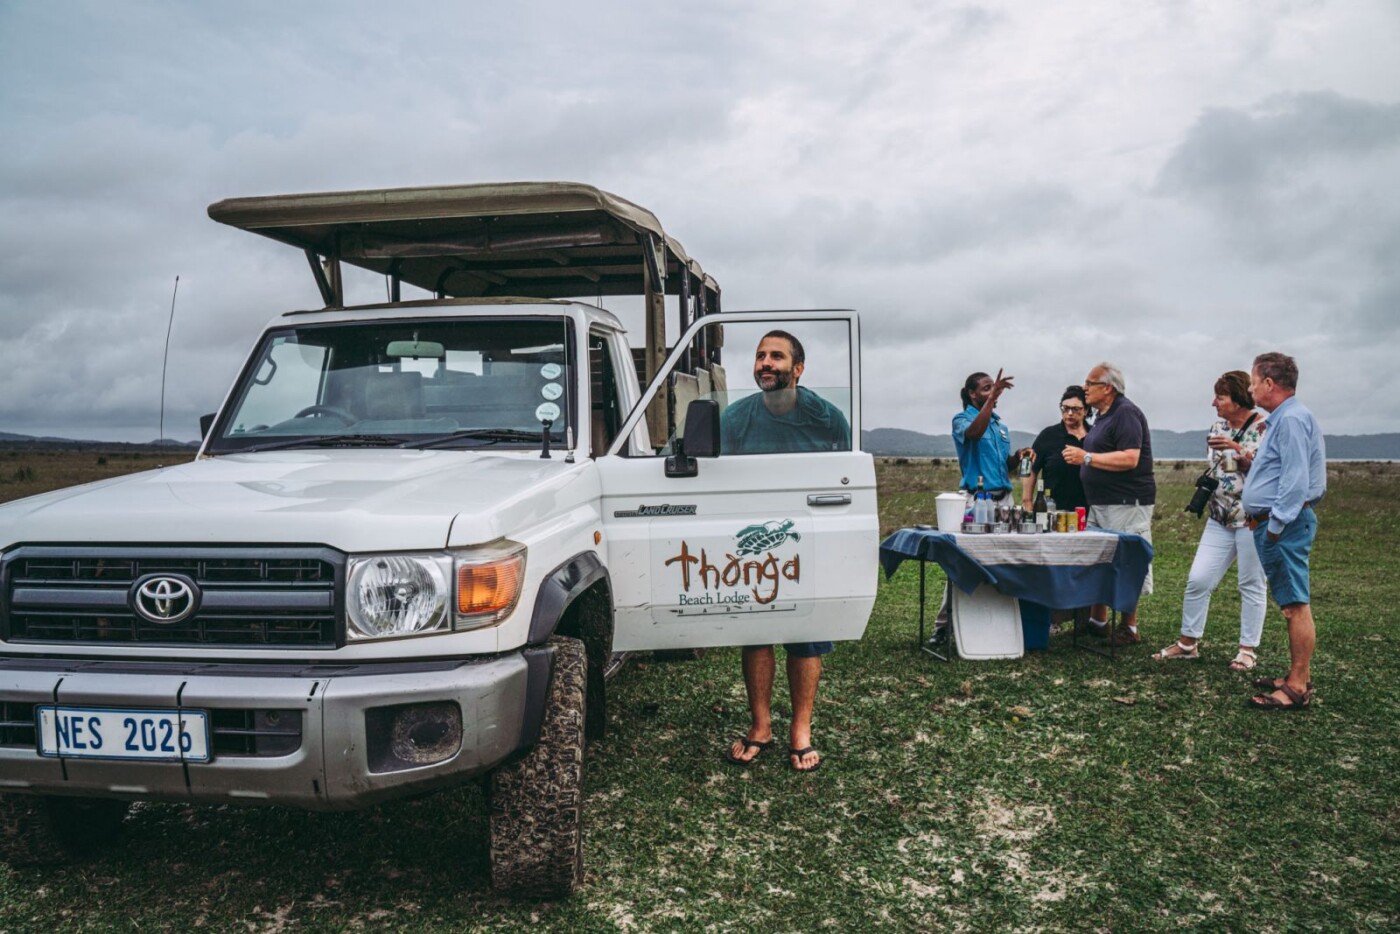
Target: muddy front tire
{"type": "Point", "coordinates": [536, 812]}
{"type": "Point", "coordinates": [38, 830]}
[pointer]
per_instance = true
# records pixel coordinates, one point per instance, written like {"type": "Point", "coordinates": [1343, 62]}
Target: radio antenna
{"type": "Point", "coordinates": [166, 360]}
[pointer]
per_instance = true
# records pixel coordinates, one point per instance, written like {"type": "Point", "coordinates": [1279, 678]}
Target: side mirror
{"type": "Point", "coordinates": [205, 423]}
{"type": "Point", "coordinates": [702, 428]}
{"type": "Point", "coordinates": [701, 438]}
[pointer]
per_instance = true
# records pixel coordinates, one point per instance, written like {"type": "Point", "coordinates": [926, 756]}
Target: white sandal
{"type": "Point", "coordinates": [1183, 651]}
{"type": "Point", "coordinates": [1244, 660]}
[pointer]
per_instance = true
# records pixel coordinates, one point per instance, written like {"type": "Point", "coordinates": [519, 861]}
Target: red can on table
{"type": "Point", "coordinates": [1083, 517]}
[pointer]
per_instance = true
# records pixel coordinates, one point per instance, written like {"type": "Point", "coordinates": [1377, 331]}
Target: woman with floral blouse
{"type": "Point", "coordinates": [1230, 447]}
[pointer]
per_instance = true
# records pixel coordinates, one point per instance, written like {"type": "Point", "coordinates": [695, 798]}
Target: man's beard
{"type": "Point", "coordinates": [780, 380]}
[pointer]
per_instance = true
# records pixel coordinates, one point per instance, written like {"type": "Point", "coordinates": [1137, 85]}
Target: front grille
{"type": "Point", "coordinates": [252, 598]}
{"type": "Point", "coordinates": [17, 724]}
{"type": "Point", "coordinates": [255, 732]}
{"type": "Point", "coordinates": [238, 732]}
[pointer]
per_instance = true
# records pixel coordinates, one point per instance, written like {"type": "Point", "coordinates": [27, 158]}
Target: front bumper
{"type": "Point", "coordinates": [341, 708]}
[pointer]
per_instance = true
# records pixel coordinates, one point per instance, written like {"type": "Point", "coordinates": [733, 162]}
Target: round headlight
{"type": "Point", "coordinates": [396, 595]}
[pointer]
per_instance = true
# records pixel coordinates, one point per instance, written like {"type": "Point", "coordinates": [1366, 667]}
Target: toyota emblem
{"type": "Point", "coordinates": [164, 598]}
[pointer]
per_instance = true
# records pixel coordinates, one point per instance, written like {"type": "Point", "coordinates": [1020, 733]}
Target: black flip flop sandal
{"type": "Point", "coordinates": [799, 753]}
{"type": "Point", "coordinates": [748, 744]}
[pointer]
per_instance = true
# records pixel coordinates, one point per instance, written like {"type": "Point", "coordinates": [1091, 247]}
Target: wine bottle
{"type": "Point", "coordinates": [1042, 508]}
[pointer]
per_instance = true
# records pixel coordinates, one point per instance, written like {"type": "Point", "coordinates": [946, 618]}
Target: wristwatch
{"type": "Point", "coordinates": [1088, 459]}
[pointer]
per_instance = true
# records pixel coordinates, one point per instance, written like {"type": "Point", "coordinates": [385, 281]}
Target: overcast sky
{"type": "Point", "coordinates": [1174, 186]}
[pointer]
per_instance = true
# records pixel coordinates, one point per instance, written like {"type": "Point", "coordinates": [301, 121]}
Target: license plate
{"type": "Point", "coordinates": [104, 733]}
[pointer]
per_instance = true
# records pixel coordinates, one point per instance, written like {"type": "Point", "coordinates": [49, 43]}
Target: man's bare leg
{"type": "Point", "coordinates": [759, 665]}
{"type": "Point", "coordinates": [1302, 639]}
{"type": "Point", "coordinates": [803, 677]}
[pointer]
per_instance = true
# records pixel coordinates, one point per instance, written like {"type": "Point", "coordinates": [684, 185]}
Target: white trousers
{"type": "Point", "coordinates": [1218, 549]}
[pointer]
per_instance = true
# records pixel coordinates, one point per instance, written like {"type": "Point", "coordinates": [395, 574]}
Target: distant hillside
{"type": "Point", "coordinates": [13, 441]}
{"type": "Point", "coordinates": [1166, 445]}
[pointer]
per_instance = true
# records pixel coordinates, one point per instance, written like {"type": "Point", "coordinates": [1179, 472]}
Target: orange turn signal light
{"type": "Point", "coordinates": [490, 588]}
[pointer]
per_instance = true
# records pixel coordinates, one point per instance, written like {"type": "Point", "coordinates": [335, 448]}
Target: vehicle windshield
{"type": "Point", "coordinates": [479, 382]}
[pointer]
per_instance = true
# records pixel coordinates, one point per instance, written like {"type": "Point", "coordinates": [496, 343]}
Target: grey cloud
{"type": "Point", "coordinates": [1232, 153]}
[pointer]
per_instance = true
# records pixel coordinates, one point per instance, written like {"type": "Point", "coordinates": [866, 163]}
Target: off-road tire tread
{"type": "Point", "coordinates": [536, 803]}
{"type": "Point", "coordinates": [39, 830]}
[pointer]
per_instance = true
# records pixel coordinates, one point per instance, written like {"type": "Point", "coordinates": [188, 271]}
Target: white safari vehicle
{"type": "Point", "coordinates": [418, 533]}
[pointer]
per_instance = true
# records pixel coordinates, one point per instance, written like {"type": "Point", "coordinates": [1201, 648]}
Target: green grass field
{"type": "Point", "coordinates": [1056, 791]}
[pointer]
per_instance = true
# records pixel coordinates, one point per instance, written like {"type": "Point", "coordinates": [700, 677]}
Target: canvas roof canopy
{"type": "Point", "coordinates": [535, 239]}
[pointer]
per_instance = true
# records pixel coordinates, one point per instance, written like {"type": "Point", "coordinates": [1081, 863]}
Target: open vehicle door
{"type": "Point", "coordinates": [746, 548]}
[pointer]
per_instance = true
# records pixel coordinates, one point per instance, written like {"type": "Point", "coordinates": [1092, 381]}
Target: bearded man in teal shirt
{"type": "Point", "coordinates": [782, 419]}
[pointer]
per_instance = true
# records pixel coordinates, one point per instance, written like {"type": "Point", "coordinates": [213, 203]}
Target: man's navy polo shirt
{"type": "Point", "coordinates": [1122, 428]}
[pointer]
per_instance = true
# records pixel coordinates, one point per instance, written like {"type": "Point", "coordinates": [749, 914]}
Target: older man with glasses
{"type": "Point", "coordinates": [1115, 466]}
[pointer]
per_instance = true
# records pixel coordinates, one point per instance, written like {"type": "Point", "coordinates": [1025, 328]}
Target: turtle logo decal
{"type": "Point", "coordinates": [759, 538]}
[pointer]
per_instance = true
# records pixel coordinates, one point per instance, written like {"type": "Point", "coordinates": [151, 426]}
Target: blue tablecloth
{"type": "Point", "coordinates": [1058, 569]}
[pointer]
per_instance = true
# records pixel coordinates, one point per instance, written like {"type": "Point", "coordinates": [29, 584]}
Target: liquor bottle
{"type": "Point", "coordinates": [1025, 469]}
{"type": "Point", "coordinates": [1042, 508]}
{"type": "Point", "coordinates": [1051, 512]}
{"type": "Point", "coordinates": [979, 503]}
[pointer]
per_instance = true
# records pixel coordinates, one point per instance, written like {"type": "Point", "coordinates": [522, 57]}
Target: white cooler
{"type": "Point", "coordinates": [987, 624]}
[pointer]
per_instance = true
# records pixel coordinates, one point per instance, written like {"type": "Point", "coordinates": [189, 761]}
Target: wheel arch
{"type": "Point", "coordinates": [575, 599]}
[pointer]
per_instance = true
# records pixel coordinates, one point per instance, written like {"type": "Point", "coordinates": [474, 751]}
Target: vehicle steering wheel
{"type": "Point", "coordinates": [346, 417]}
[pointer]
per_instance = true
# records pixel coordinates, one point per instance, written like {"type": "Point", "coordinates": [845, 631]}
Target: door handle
{"type": "Point", "coordinates": [828, 499]}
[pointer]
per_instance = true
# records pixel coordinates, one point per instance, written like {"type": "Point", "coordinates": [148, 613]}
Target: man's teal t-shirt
{"type": "Point", "coordinates": [747, 427]}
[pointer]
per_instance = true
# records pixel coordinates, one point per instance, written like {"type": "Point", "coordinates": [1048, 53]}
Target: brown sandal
{"type": "Point", "coordinates": [1268, 683]}
{"type": "Point", "coordinates": [1297, 701]}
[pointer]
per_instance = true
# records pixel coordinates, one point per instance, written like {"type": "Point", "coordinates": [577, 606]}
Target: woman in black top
{"type": "Point", "coordinates": [1061, 479]}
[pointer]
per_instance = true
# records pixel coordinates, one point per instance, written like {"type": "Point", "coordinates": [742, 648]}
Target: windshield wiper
{"type": "Point", "coordinates": [325, 441]}
{"type": "Point", "coordinates": [479, 434]}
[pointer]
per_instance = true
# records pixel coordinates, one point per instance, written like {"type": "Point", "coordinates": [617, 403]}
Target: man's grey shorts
{"type": "Point", "coordinates": [1130, 518]}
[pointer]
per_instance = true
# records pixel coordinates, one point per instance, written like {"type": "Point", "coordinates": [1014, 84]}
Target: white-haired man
{"type": "Point", "coordinates": [1115, 466]}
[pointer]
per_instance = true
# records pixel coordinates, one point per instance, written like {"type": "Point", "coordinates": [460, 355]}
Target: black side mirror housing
{"type": "Point", "coordinates": [205, 423]}
{"type": "Point", "coordinates": [701, 439]}
{"type": "Point", "coordinates": [702, 428]}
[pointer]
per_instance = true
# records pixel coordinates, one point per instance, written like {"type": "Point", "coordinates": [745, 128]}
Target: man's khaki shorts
{"type": "Point", "coordinates": [1131, 518]}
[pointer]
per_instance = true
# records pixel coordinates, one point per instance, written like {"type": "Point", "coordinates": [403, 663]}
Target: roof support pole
{"type": "Point", "coordinates": [319, 273]}
{"type": "Point", "coordinates": [687, 316]}
{"type": "Point", "coordinates": [337, 285]}
{"type": "Point", "coordinates": [654, 288]}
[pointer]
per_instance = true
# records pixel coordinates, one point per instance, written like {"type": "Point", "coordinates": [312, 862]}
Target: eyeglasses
{"type": "Point", "coordinates": [1093, 382]}
{"type": "Point", "coordinates": [1069, 409]}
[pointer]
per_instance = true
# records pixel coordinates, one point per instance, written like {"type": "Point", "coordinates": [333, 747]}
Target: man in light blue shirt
{"type": "Point", "coordinates": [1286, 479]}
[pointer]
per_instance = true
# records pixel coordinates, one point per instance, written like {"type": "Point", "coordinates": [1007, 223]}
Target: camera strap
{"type": "Point", "coordinates": [1245, 427]}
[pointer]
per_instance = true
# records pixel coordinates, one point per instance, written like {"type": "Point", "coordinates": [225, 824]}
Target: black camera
{"type": "Point", "coordinates": [1205, 486]}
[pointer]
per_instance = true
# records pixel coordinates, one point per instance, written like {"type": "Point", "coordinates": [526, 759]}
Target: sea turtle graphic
{"type": "Point", "coordinates": [757, 538]}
